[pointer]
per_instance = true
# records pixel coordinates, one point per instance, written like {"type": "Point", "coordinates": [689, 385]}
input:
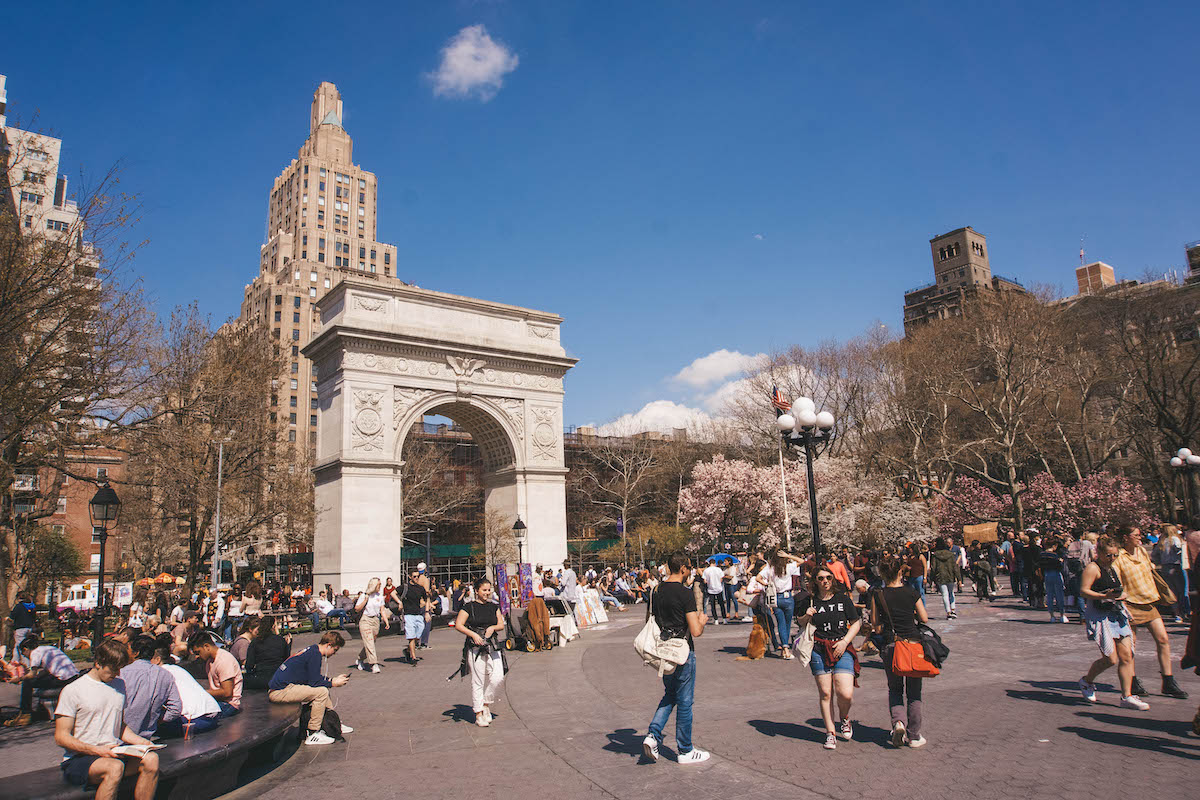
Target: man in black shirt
{"type": "Point", "coordinates": [674, 608]}
{"type": "Point", "coordinates": [414, 600]}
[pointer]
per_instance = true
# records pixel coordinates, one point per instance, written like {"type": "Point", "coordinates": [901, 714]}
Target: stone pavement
{"type": "Point", "coordinates": [1003, 721]}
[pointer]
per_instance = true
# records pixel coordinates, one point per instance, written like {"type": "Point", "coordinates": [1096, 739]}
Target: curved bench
{"type": "Point", "coordinates": [203, 767]}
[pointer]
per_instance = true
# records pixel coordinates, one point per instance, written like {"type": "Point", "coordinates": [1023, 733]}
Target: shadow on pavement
{"type": "Point", "coordinates": [624, 740]}
{"type": "Point", "coordinates": [1045, 697]}
{"type": "Point", "coordinates": [460, 713]}
{"type": "Point", "coordinates": [1170, 727]}
{"type": "Point", "coordinates": [1157, 744]}
{"type": "Point", "coordinates": [788, 729]}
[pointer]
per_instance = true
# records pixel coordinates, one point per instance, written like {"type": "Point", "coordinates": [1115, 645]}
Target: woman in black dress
{"type": "Point", "coordinates": [479, 621]}
{"type": "Point", "coordinates": [895, 611]}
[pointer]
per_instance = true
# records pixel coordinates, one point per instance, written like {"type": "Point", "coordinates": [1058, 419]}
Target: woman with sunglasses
{"type": "Point", "coordinates": [834, 662]}
{"type": "Point", "coordinates": [1107, 624]}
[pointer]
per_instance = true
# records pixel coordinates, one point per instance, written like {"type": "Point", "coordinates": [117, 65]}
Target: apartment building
{"type": "Point", "coordinates": [322, 222]}
{"type": "Point", "coordinates": [961, 270]}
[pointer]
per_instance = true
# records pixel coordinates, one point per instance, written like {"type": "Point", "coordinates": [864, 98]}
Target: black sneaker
{"type": "Point", "coordinates": [1171, 689]}
{"type": "Point", "coordinates": [1138, 689]}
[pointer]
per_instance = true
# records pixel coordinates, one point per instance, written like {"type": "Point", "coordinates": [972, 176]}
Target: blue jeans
{"type": "Point", "coordinates": [174, 728]}
{"type": "Point", "coordinates": [785, 611]}
{"type": "Point", "coordinates": [678, 690]}
{"type": "Point", "coordinates": [1056, 598]}
{"type": "Point", "coordinates": [947, 590]}
{"type": "Point", "coordinates": [918, 583]}
{"type": "Point", "coordinates": [227, 710]}
{"type": "Point", "coordinates": [731, 603]}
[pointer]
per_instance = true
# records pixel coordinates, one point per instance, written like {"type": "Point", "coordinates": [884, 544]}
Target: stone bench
{"type": "Point", "coordinates": [199, 768]}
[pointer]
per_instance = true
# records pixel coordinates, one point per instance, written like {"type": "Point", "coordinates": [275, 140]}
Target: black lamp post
{"type": "Point", "coordinates": [104, 509]}
{"type": "Point", "coordinates": [519, 532]}
{"type": "Point", "coordinates": [652, 544]}
{"type": "Point", "coordinates": [805, 429]}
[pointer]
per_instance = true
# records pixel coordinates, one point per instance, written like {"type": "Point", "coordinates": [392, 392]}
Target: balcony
{"type": "Point", "coordinates": [25, 483]}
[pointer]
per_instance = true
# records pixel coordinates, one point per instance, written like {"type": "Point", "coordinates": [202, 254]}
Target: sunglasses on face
{"type": "Point", "coordinates": [824, 577]}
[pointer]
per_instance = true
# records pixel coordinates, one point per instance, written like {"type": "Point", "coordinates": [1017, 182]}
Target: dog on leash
{"type": "Point", "coordinates": [756, 648]}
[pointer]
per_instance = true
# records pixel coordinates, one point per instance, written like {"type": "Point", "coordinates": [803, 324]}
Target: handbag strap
{"type": "Point", "coordinates": [881, 601]}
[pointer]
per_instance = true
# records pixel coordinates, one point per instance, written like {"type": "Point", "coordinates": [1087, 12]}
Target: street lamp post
{"type": "Point", "coordinates": [1187, 464]}
{"type": "Point", "coordinates": [651, 544]}
{"type": "Point", "coordinates": [806, 429]}
{"type": "Point", "coordinates": [104, 509]}
{"type": "Point", "coordinates": [519, 533]}
{"type": "Point", "coordinates": [216, 565]}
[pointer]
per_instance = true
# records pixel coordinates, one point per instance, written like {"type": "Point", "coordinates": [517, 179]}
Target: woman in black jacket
{"type": "Point", "coordinates": [264, 655]}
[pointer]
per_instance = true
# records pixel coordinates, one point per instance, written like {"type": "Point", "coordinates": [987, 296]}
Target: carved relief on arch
{"type": "Point", "coordinates": [515, 409]}
{"type": "Point", "coordinates": [366, 432]}
{"type": "Point", "coordinates": [403, 401]}
{"type": "Point", "coordinates": [545, 433]}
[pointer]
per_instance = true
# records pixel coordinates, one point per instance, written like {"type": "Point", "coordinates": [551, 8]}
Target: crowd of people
{"type": "Point", "coordinates": [178, 666]}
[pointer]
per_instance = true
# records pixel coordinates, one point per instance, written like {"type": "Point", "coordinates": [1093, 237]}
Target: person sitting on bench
{"type": "Point", "coordinates": [198, 712]}
{"type": "Point", "coordinates": [150, 693]}
{"type": "Point", "coordinates": [49, 668]}
{"type": "Point", "coordinates": [301, 679]}
{"type": "Point", "coordinates": [90, 721]}
{"type": "Point", "coordinates": [224, 673]}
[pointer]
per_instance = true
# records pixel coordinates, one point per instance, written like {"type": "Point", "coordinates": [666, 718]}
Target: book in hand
{"type": "Point", "coordinates": [136, 750]}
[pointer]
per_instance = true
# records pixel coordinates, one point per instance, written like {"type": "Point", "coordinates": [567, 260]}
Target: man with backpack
{"type": "Point", "coordinates": [673, 605]}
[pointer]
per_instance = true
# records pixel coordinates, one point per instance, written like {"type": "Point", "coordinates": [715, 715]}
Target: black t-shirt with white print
{"type": "Point", "coordinates": [831, 618]}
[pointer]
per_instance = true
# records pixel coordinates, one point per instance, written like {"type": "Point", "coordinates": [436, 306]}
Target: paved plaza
{"type": "Point", "coordinates": [1003, 721]}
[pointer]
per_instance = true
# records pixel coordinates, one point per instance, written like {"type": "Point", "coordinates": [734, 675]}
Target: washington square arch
{"type": "Point", "coordinates": [387, 356]}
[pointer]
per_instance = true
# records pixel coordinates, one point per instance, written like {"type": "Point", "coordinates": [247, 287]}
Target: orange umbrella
{"type": "Point", "coordinates": [165, 578]}
{"type": "Point", "coordinates": [144, 582]}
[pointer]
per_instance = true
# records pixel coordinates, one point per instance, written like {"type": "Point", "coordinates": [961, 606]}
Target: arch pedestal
{"type": "Point", "coordinates": [388, 356]}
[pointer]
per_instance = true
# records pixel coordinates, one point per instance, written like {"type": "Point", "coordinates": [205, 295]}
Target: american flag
{"type": "Point", "coordinates": [777, 400]}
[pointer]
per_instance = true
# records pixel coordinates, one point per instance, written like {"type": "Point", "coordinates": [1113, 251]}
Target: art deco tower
{"type": "Point", "coordinates": [321, 226]}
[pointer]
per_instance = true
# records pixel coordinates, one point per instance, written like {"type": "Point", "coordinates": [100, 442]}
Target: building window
{"type": "Point", "coordinates": [101, 474]}
{"type": "Point", "coordinates": [292, 419]}
{"type": "Point", "coordinates": [321, 257]}
{"type": "Point", "coordinates": [372, 255]}
{"type": "Point", "coordinates": [62, 506]}
{"type": "Point", "coordinates": [327, 283]}
{"type": "Point", "coordinates": [304, 254]}
{"type": "Point", "coordinates": [321, 186]}
{"type": "Point", "coordinates": [387, 258]}
{"type": "Point", "coordinates": [312, 291]}
{"type": "Point", "coordinates": [296, 317]}
{"type": "Point", "coordinates": [295, 368]}
{"type": "Point", "coordinates": [313, 404]}
{"type": "Point", "coordinates": [293, 402]}
{"type": "Point", "coordinates": [96, 534]}
{"type": "Point", "coordinates": [306, 172]}
{"type": "Point", "coordinates": [37, 155]}
{"type": "Point", "coordinates": [294, 383]}
{"type": "Point", "coordinates": [312, 420]}
{"type": "Point", "coordinates": [295, 335]}
{"type": "Point", "coordinates": [362, 184]}
{"type": "Point", "coordinates": [295, 350]}
{"type": "Point", "coordinates": [278, 314]}
{"type": "Point", "coordinates": [94, 561]}
{"type": "Point", "coordinates": [28, 221]}
{"type": "Point", "coordinates": [291, 436]}
{"type": "Point", "coordinates": [322, 172]}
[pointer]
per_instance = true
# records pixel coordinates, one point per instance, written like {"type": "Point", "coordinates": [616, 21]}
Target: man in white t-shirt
{"type": "Point", "coordinates": [89, 722]}
{"type": "Point", "coordinates": [199, 712]}
{"type": "Point", "coordinates": [570, 584]}
{"type": "Point", "coordinates": [714, 590]}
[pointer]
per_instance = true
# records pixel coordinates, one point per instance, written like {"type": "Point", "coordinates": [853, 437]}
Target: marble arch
{"type": "Point", "coordinates": [386, 356]}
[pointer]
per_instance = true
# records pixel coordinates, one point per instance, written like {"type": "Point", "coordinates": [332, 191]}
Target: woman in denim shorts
{"type": "Point", "coordinates": [834, 662]}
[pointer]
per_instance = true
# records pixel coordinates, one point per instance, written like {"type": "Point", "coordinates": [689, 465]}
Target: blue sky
{"type": "Point", "coordinates": [674, 178]}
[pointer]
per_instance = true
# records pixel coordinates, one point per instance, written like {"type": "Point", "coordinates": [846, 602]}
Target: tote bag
{"type": "Point", "coordinates": [663, 655]}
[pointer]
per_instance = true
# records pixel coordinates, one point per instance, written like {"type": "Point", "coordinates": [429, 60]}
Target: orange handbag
{"type": "Point", "coordinates": [909, 661]}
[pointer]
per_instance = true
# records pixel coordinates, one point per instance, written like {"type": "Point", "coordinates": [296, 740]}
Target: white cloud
{"type": "Point", "coordinates": [758, 236]}
{"type": "Point", "coordinates": [659, 415]}
{"type": "Point", "coordinates": [473, 65]}
{"type": "Point", "coordinates": [716, 366]}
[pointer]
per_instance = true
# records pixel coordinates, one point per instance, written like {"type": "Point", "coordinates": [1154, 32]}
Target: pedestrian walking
{"type": "Point", "coordinates": [714, 588]}
{"type": "Point", "coordinates": [895, 611]}
{"type": "Point", "coordinates": [918, 566]}
{"type": "Point", "coordinates": [1107, 625]}
{"type": "Point", "coordinates": [674, 607]}
{"type": "Point", "coordinates": [483, 658]}
{"type": "Point", "coordinates": [1137, 576]}
{"type": "Point", "coordinates": [1051, 563]}
{"type": "Point", "coordinates": [834, 662]}
{"type": "Point", "coordinates": [370, 604]}
{"type": "Point", "coordinates": [945, 572]}
{"type": "Point", "coordinates": [784, 568]}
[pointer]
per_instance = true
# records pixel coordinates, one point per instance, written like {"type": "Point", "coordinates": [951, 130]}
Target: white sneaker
{"type": "Point", "coordinates": [847, 730]}
{"type": "Point", "coordinates": [831, 741]}
{"type": "Point", "coordinates": [1064, 620]}
{"type": "Point", "coordinates": [1135, 702]}
{"type": "Point", "coordinates": [360, 665]}
{"type": "Point", "coordinates": [747, 619]}
{"type": "Point", "coordinates": [481, 719]}
{"type": "Point", "coordinates": [318, 737]}
{"type": "Point", "coordinates": [914, 743]}
{"type": "Point", "coordinates": [487, 714]}
{"type": "Point", "coordinates": [898, 736]}
{"type": "Point", "coordinates": [347, 729]}
{"type": "Point", "coordinates": [1088, 690]}
{"type": "Point", "coordinates": [693, 756]}
{"type": "Point", "coordinates": [650, 748]}
{"type": "Point", "coordinates": [375, 669]}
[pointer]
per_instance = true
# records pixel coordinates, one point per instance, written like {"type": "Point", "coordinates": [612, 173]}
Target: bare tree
{"type": "Point", "coordinates": [616, 474]}
{"type": "Point", "coordinates": [433, 489]}
{"type": "Point", "coordinates": [74, 339]}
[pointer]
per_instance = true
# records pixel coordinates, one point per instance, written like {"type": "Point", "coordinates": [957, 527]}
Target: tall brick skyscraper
{"type": "Point", "coordinates": [322, 225]}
